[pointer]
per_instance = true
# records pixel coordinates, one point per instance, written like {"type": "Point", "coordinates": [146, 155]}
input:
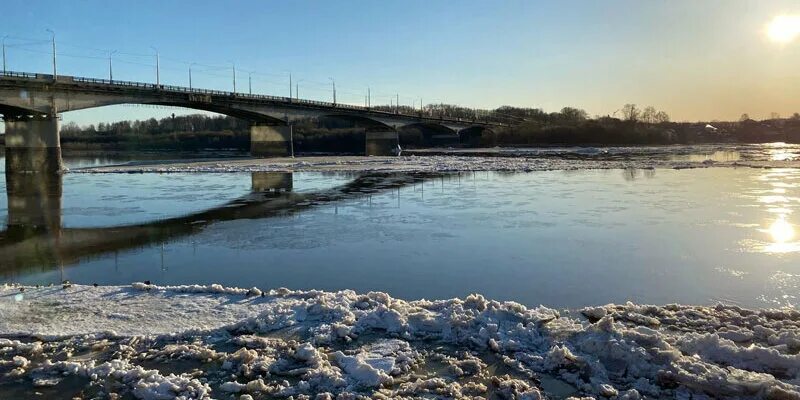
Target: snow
{"type": "Point", "coordinates": [211, 341]}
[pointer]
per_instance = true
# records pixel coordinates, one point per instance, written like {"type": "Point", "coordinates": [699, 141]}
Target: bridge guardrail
{"type": "Point", "coordinates": [181, 89]}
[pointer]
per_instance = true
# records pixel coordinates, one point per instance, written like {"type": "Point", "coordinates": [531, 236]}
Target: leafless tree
{"type": "Point", "coordinates": [630, 112]}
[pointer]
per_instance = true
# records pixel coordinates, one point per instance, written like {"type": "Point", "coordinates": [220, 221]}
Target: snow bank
{"type": "Point", "coordinates": [211, 341]}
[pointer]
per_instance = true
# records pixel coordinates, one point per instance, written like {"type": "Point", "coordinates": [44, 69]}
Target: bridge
{"type": "Point", "coordinates": [31, 104]}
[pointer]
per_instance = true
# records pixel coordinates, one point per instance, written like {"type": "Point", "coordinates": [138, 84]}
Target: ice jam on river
{"type": "Point", "coordinates": [200, 342]}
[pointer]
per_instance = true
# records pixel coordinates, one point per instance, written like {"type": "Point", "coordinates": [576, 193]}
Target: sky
{"type": "Point", "coordinates": [696, 60]}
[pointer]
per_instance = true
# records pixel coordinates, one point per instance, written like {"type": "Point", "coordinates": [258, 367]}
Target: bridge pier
{"type": "Point", "coordinates": [382, 143]}
{"type": "Point", "coordinates": [270, 141]}
{"type": "Point", "coordinates": [33, 144]}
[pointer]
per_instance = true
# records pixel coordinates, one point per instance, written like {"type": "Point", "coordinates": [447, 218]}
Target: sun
{"type": "Point", "coordinates": [784, 28]}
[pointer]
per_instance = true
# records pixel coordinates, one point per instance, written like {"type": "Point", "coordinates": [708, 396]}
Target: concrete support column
{"type": "Point", "coordinates": [270, 141]}
{"type": "Point", "coordinates": [382, 143]}
{"type": "Point", "coordinates": [271, 182]}
{"type": "Point", "coordinates": [34, 204]}
{"type": "Point", "coordinates": [33, 145]}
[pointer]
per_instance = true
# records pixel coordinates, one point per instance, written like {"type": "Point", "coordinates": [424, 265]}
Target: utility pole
{"type": "Point", "coordinates": [397, 104]}
{"type": "Point", "coordinates": [233, 68]}
{"type": "Point", "coordinates": [290, 86]}
{"type": "Point", "coordinates": [55, 72]}
{"type": "Point", "coordinates": [110, 67]}
{"type": "Point", "coordinates": [369, 98]}
{"type": "Point", "coordinates": [158, 67]}
{"type": "Point", "coordinates": [250, 83]}
{"type": "Point", "coordinates": [4, 53]}
{"type": "Point", "coordinates": [334, 90]}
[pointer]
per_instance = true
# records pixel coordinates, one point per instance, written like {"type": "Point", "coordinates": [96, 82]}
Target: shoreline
{"type": "Point", "coordinates": [226, 341]}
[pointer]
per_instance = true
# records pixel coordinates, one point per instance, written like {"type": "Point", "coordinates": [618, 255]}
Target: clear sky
{"type": "Point", "coordinates": [697, 60]}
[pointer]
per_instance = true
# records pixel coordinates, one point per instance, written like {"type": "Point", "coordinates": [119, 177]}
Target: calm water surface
{"type": "Point", "coordinates": [563, 239]}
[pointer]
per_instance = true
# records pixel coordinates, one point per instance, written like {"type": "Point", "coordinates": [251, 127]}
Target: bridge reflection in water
{"type": "Point", "coordinates": [35, 239]}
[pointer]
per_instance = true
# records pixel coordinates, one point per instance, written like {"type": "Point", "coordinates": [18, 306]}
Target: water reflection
{"type": "Point", "coordinates": [35, 237]}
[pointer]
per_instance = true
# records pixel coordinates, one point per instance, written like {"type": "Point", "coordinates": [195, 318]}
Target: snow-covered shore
{"type": "Point", "coordinates": [154, 342]}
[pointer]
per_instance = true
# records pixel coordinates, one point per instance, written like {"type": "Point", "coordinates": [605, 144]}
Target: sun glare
{"type": "Point", "coordinates": [784, 28]}
{"type": "Point", "coordinates": [781, 231]}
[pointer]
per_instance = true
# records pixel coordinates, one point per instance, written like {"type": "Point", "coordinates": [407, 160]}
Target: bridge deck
{"type": "Point", "coordinates": [23, 79]}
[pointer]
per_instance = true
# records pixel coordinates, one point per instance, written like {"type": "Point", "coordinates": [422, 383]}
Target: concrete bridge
{"type": "Point", "coordinates": [30, 105]}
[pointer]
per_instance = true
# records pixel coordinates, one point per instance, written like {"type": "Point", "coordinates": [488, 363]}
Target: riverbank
{"type": "Point", "coordinates": [197, 341]}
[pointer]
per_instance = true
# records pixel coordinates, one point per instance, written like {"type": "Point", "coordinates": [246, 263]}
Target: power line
{"type": "Point", "coordinates": [308, 84]}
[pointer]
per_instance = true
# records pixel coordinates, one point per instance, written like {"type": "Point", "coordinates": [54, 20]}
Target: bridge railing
{"type": "Point", "coordinates": [240, 96]}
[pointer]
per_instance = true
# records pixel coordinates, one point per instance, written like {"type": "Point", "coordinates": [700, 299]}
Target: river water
{"type": "Point", "coordinates": [558, 238]}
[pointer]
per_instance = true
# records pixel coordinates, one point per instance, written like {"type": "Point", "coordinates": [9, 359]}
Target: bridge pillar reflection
{"type": "Point", "coordinates": [270, 141]}
{"type": "Point", "coordinates": [271, 182]}
{"type": "Point", "coordinates": [34, 204]}
{"type": "Point", "coordinates": [382, 143]}
{"type": "Point", "coordinates": [32, 144]}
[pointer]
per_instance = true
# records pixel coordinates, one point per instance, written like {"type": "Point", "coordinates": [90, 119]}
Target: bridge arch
{"type": "Point", "coordinates": [429, 133]}
{"type": "Point", "coordinates": [473, 135]}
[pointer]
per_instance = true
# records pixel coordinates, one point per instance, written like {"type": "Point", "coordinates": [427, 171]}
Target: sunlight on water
{"type": "Point", "coordinates": [781, 230]}
{"type": "Point", "coordinates": [779, 202]}
{"type": "Point", "coordinates": [780, 151]}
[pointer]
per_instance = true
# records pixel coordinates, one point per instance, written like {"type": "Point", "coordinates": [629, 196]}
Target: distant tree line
{"type": "Point", "coordinates": [526, 126]}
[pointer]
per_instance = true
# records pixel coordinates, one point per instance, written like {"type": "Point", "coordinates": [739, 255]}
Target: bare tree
{"type": "Point", "coordinates": [648, 114]}
{"type": "Point", "coordinates": [744, 117]}
{"type": "Point", "coordinates": [630, 112]}
{"type": "Point", "coordinates": [661, 117]}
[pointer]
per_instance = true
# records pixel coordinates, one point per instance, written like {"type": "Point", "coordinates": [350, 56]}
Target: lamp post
{"type": "Point", "coordinates": [158, 67]}
{"type": "Point", "coordinates": [250, 83]}
{"type": "Point", "coordinates": [110, 66]}
{"type": "Point", "coordinates": [55, 71]}
{"type": "Point", "coordinates": [233, 68]}
{"type": "Point", "coordinates": [297, 89]}
{"type": "Point", "coordinates": [4, 53]}
{"type": "Point", "coordinates": [190, 75]}
{"type": "Point", "coordinates": [333, 83]}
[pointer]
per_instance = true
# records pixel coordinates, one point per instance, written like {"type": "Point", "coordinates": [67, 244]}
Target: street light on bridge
{"type": "Point", "coordinates": [158, 67]}
{"type": "Point", "coordinates": [233, 67]}
{"type": "Point", "coordinates": [55, 74]}
{"type": "Point", "coordinates": [4, 53]}
{"type": "Point", "coordinates": [297, 89]}
{"type": "Point", "coordinates": [190, 75]}
{"type": "Point", "coordinates": [110, 67]}
{"type": "Point", "coordinates": [334, 90]}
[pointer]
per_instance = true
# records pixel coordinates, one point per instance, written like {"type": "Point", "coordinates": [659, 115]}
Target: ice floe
{"type": "Point", "coordinates": [211, 341]}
